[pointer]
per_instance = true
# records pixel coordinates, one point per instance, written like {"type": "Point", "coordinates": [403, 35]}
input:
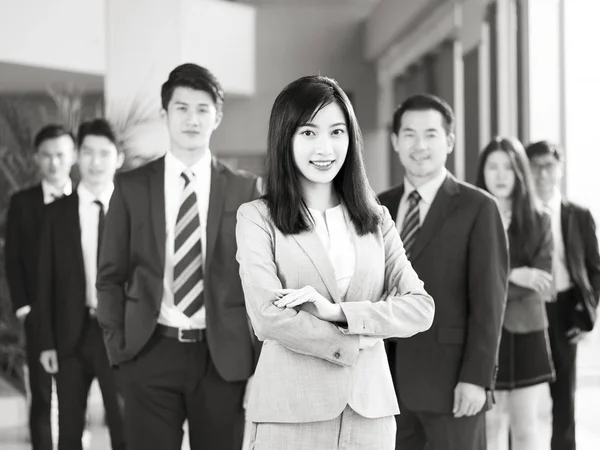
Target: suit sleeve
{"type": "Point", "coordinates": [487, 288]}
{"type": "Point", "coordinates": [592, 257]}
{"type": "Point", "coordinates": [409, 312]}
{"type": "Point", "coordinates": [15, 266]}
{"type": "Point", "coordinates": [113, 270]}
{"type": "Point", "coordinates": [44, 304]}
{"type": "Point", "coordinates": [542, 259]}
{"type": "Point", "coordinates": [298, 331]}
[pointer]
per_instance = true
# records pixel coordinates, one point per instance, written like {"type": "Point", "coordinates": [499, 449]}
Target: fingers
{"type": "Point", "coordinates": [295, 297]}
{"type": "Point", "coordinates": [49, 362]}
{"type": "Point", "coordinates": [466, 405]}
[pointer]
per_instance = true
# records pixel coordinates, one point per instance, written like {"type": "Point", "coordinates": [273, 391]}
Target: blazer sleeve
{"type": "Point", "coordinates": [487, 288]}
{"type": "Point", "coordinates": [113, 270]}
{"type": "Point", "coordinates": [298, 331]}
{"type": "Point", "coordinates": [409, 312]}
{"type": "Point", "coordinates": [592, 257]}
{"type": "Point", "coordinates": [542, 259]}
{"type": "Point", "coordinates": [15, 265]}
{"type": "Point", "coordinates": [44, 304]}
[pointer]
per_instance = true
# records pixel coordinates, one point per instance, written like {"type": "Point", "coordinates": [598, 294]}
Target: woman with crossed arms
{"type": "Point", "coordinates": [325, 280]}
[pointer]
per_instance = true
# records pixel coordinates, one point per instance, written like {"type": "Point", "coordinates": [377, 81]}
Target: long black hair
{"type": "Point", "coordinates": [525, 208]}
{"type": "Point", "coordinates": [294, 107]}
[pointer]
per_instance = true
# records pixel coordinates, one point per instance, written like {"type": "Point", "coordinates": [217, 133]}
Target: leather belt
{"type": "Point", "coordinates": [181, 334]}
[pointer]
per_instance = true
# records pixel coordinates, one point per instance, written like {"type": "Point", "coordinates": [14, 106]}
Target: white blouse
{"type": "Point", "coordinates": [332, 227]}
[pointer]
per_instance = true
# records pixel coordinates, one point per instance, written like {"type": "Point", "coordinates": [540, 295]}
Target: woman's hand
{"type": "Point", "coordinates": [532, 278]}
{"type": "Point", "coordinates": [309, 300]}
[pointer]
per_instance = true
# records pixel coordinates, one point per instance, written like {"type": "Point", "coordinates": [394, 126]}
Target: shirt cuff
{"type": "Point", "coordinates": [22, 311]}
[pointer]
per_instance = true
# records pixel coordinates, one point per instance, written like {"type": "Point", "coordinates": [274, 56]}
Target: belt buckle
{"type": "Point", "coordinates": [180, 337]}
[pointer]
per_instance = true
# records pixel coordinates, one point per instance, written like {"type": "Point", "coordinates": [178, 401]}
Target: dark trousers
{"type": "Point", "coordinates": [169, 382]}
{"type": "Point", "coordinates": [434, 431]}
{"type": "Point", "coordinates": [562, 390]}
{"type": "Point", "coordinates": [73, 381]}
{"type": "Point", "coordinates": [40, 385]}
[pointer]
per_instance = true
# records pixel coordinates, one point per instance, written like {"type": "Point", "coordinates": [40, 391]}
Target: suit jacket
{"type": "Point", "coordinates": [461, 255]}
{"type": "Point", "coordinates": [132, 261]}
{"type": "Point", "coordinates": [310, 369]}
{"type": "Point", "coordinates": [23, 224]}
{"type": "Point", "coordinates": [583, 263]}
{"type": "Point", "coordinates": [61, 309]}
{"type": "Point", "coordinates": [525, 308]}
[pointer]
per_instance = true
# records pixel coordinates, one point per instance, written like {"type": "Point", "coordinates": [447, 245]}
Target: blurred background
{"type": "Point", "coordinates": [523, 68]}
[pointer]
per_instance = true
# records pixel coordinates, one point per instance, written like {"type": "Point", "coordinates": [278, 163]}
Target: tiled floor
{"type": "Point", "coordinates": [588, 431]}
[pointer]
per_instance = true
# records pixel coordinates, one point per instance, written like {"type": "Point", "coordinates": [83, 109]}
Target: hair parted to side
{"type": "Point", "coordinates": [49, 132]}
{"type": "Point", "coordinates": [294, 107]}
{"type": "Point", "coordinates": [424, 102]}
{"type": "Point", "coordinates": [524, 204]}
{"type": "Point", "coordinates": [195, 77]}
{"type": "Point", "coordinates": [96, 127]}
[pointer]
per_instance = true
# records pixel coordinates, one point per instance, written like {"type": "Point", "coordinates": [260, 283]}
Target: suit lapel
{"type": "Point", "coordinates": [218, 183]}
{"type": "Point", "coordinates": [362, 264]}
{"type": "Point", "coordinates": [444, 202]}
{"type": "Point", "coordinates": [313, 247]}
{"type": "Point", "coordinates": [73, 227]}
{"type": "Point", "coordinates": [394, 203]}
{"type": "Point", "coordinates": [566, 225]}
{"type": "Point", "coordinates": [156, 185]}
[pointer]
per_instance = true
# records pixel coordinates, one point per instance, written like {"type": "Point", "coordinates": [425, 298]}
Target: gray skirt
{"type": "Point", "coordinates": [349, 431]}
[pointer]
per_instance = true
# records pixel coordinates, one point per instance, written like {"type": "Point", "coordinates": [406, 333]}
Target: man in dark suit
{"type": "Point", "coordinates": [454, 238]}
{"type": "Point", "coordinates": [71, 339]}
{"type": "Point", "coordinates": [55, 155]}
{"type": "Point", "coordinates": [171, 301]}
{"type": "Point", "coordinates": [576, 269]}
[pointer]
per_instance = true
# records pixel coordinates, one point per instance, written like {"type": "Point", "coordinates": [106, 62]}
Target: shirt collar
{"type": "Point", "coordinates": [428, 190]}
{"type": "Point", "coordinates": [175, 166]}
{"type": "Point", "coordinates": [86, 196]}
{"type": "Point", "coordinates": [50, 190]}
{"type": "Point", "coordinates": [555, 202]}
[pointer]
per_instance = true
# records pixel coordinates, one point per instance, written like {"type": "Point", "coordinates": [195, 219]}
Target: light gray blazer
{"type": "Point", "coordinates": [310, 369]}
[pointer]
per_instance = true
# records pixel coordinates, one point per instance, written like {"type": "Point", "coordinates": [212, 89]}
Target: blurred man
{"type": "Point", "coordinates": [455, 240]}
{"type": "Point", "coordinates": [576, 268]}
{"type": "Point", "coordinates": [55, 155]}
{"type": "Point", "coordinates": [170, 297]}
{"type": "Point", "coordinates": [72, 344]}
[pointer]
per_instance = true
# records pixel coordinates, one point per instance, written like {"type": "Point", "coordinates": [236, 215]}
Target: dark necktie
{"type": "Point", "coordinates": [100, 227]}
{"type": "Point", "coordinates": [412, 223]}
{"type": "Point", "coordinates": [188, 284]}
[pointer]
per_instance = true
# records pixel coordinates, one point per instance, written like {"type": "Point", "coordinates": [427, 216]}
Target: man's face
{"type": "Point", "coordinates": [422, 144]}
{"type": "Point", "coordinates": [547, 174]}
{"type": "Point", "coordinates": [98, 160]}
{"type": "Point", "coordinates": [55, 158]}
{"type": "Point", "coordinates": [191, 118]}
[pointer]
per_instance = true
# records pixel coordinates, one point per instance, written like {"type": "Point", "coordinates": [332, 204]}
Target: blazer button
{"type": "Point", "coordinates": [337, 355]}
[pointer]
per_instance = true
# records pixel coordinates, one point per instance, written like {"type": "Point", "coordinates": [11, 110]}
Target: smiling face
{"type": "Point", "coordinates": [191, 118]}
{"type": "Point", "coordinates": [320, 146]}
{"type": "Point", "coordinates": [422, 144]}
{"type": "Point", "coordinates": [499, 175]}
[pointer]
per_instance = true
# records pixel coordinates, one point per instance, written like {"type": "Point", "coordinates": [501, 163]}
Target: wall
{"type": "Point", "coordinates": [293, 41]}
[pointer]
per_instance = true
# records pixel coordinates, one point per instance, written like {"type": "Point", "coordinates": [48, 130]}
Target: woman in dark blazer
{"type": "Point", "coordinates": [525, 363]}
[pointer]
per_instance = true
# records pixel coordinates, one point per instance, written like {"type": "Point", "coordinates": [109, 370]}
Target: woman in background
{"type": "Point", "coordinates": [525, 364]}
{"type": "Point", "coordinates": [325, 279]}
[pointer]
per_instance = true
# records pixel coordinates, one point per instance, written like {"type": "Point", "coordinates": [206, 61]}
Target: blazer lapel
{"type": "Point", "coordinates": [443, 204]}
{"type": "Point", "coordinates": [311, 244]}
{"type": "Point", "coordinates": [362, 265]}
{"type": "Point", "coordinates": [566, 225]}
{"type": "Point", "coordinates": [156, 185]}
{"type": "Point", "coordinates": [218, 182]}
{"type": "Point", "coordinates": [394, 204]}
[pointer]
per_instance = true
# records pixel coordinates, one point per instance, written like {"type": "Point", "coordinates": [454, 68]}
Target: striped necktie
{"type": "Point", "coordinates": [188, 284]}
{"type": "Point", "coordinates": [412, 222]}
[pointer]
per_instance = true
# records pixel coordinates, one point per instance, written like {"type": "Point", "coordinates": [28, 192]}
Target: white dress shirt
{"type": "Point", "coordinates": [427, 191]}
{"type": "Point", "coordinates": [170, 315]}
{"type": "Point", "coordinates": [88, 222]}
{"type": "Point", "coordinates": [51, 193]}
{"type": "Point", "coordinates": [332, 229]}
{"type": "Point", "coordinates": [562, 279]}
